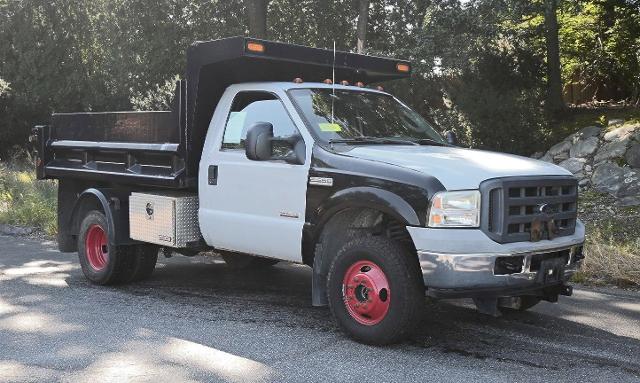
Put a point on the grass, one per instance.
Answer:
(25, 201)
(613, 242)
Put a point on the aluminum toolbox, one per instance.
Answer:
(164, 218)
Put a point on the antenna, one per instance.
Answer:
(333, 83)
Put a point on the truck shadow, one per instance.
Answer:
(551, 336)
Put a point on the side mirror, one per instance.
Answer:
(452, 138)
(260, 145)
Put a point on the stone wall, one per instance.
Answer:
(605, 159)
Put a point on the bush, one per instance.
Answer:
(26, 201)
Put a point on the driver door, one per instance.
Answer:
(254, 207)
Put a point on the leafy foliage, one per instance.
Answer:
(479, 65)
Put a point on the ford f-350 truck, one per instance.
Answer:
(278, 152)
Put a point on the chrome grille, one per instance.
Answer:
(514, 207)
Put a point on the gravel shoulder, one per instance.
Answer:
(196, 320)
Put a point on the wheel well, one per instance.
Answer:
(340, 229)
(86, 204)
(356, 220)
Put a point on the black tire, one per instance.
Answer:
(146, 257)
(406, 289)
(528, 301)
(120, 262)
(237, 261)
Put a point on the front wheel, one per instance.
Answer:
(375, 291)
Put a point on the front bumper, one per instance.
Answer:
(462, 262)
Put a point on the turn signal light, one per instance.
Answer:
(403, 67)
(255, 47)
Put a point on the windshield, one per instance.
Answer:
(347, 116)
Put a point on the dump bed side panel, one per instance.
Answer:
(142, 127)
(135, 148)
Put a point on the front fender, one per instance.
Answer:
(372, 198)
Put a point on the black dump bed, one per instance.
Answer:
(163, 148)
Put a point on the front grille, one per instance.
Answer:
(529, 208)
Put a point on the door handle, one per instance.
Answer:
(213, 174)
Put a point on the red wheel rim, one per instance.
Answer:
(366, 293)
(96, 247)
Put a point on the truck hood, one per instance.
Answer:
(457, 168)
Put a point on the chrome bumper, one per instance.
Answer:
(469, 272)
(462, 262)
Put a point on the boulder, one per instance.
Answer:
(615, 149)
(584, 133)
(546, 158)
(608, 178)
(537, 155)
(630, 186)
(561, 147)
(584, 148)
(615, 121)
(633, 156)
(574, 165)
(621, 133)
(560, 157)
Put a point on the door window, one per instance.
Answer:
(251, 107)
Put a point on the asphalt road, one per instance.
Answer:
(196, 320)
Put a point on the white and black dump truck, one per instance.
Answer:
(277, 152)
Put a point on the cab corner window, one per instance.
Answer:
(249, 108)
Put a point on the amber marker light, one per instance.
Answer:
(403, 67)
(255, 47)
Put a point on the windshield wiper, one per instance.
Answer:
(372, 140)
(429, 141)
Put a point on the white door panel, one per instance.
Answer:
(255, 207)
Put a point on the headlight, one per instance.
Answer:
(455, 209)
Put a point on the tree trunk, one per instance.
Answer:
(257, 12)
(363, 16)
(554, 102)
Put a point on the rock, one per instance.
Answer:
(560, 157)
(537, 155)
(584, 148)
(608, 178)
(630, 186)
(583, 182)
(546, 158)
(633, 156)
(574, 165)
(588, 168)
(629, 201)
(621, 133)
(615, 121)
(561, 147)
(15, 230)
(584, 133)
(615, 149)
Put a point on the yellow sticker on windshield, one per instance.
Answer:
(327, 127)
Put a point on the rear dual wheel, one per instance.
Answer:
(375, 290)
(104, 263)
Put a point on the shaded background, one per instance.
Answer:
(507, 75)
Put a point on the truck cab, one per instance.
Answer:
(276, 152)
